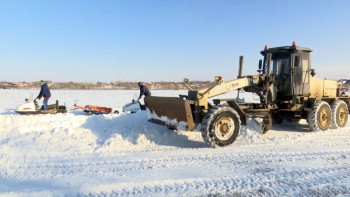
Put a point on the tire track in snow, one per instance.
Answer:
(329, 136)
(48, 169)
(291, 183)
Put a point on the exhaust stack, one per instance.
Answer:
(240, 66)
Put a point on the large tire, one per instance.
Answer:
(220, 126)
(320, 117)
(339, 114)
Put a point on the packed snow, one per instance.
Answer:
(76, 154)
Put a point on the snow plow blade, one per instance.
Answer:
(170, 111)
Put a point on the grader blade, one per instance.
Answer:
(170, 111)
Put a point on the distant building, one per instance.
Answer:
(22, 84)
(107, 86)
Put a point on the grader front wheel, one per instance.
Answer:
(220, 126)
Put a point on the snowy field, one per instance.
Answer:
(75, 154)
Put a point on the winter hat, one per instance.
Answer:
(139, 83)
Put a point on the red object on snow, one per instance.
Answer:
(93, 109)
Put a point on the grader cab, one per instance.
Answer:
(287, 88)
(298, 93)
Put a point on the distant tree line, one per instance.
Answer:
(119, 85)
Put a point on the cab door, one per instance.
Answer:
(301, 75)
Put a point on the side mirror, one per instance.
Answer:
(313, 72)
(260, 64)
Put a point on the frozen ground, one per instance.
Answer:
(124, 155)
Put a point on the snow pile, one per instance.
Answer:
(251, 133)
(46, 134)
(70, 134)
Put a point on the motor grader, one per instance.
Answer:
(287, 88)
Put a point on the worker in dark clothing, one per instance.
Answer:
(144, 91)
(44, 92)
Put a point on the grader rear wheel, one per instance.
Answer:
(339, 114)
(221, 126)
(320, 117)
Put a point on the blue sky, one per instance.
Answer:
(162, 40)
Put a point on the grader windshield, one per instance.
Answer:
(280, 70)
